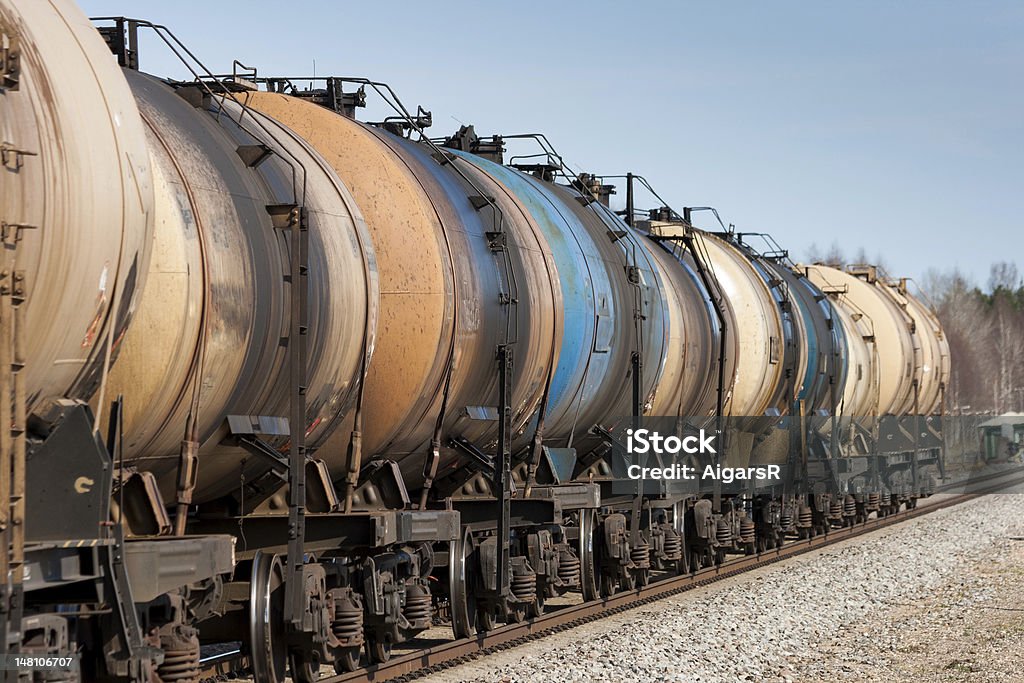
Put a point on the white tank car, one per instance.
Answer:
(884, 325)
(76, 195)
(756, 325)
(932, 370)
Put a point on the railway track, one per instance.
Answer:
(404, 667)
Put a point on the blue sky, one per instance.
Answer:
(896, 127)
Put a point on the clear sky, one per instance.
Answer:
(896, 127)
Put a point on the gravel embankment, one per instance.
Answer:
(970, 627)
(905, 603)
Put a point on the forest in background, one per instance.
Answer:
(984, 326)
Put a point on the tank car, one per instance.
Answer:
(901, 357)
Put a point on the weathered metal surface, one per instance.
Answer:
(688, 387)
(933, 367)
(819, 341)
(862, 373)
(417, 301)
(634, 319)
(501, 295)
(570, 496)
(758, 328)
(447, 298)
(158, 565)
(77, 188)
(585, 282)
(792, 352)
(351, 532)
(885, 326)
(209, 335)
(82, 484)
(536, 326)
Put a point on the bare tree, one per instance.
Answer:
(813, 254)
(834, 256)
(937, 285)
(1003, 275)
(985, 330)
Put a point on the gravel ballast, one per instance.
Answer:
(876, 608)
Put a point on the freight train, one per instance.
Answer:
(279, 376)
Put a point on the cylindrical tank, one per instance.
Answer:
(689, 385)
(818, 374)
(888, 327)
(528, 278)
(859, 390)
(794, 356)
(586, 280)
(932, 372)
(758, 328)
(438, 241)
(634, 319)
(599, 300)
(77, 194)
(210, 335)
(417, 308)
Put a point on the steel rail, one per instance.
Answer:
(406, 667)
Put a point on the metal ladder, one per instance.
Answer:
(12, 440)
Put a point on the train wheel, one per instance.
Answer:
(719, 556)
(588, 569)
(462, 600)
(377, 651)
(682, 565)
(266, 619)
(346, 659)
(536, 608)
(517, 614)
(303, 670)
